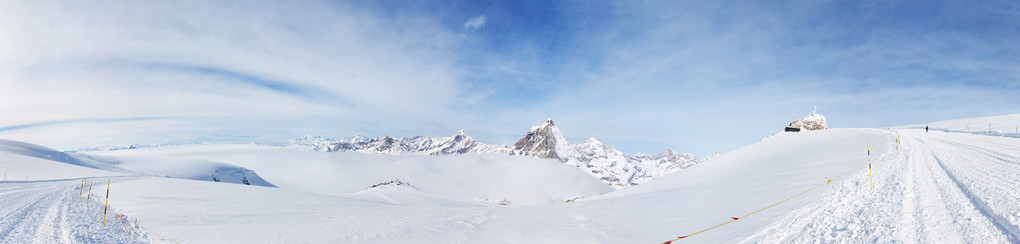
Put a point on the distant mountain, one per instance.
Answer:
(460, 143)
(544, 141)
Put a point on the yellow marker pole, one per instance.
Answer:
(107, 201)
(82, 188)
(869, 165)
(88, 195)
(897, 144)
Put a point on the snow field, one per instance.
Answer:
(1002, 125)
(472, 177)
(940, 188)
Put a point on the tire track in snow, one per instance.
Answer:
(987, 183)
(12, 223)
(918, 198)
(981, 206)
(49, 212)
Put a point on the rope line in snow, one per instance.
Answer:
(157, 234)
(733, 219)
(86, 182)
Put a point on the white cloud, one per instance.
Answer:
(236, 67)
(479, 96)
(475, 23)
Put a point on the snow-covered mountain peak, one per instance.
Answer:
(541, 141)
(668, 152)
(359, 138)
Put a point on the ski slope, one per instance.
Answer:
(937, 187)
(55, 211)
(942, 188)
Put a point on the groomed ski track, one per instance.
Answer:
(51, 212)
(942, 188)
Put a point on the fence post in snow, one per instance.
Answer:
(105, 204)
(897, 144)
(88, 195)
(868, 146)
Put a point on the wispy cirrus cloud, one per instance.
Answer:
(222, 63)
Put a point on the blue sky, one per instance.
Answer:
(642, 76)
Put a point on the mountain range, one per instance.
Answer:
(544, 141)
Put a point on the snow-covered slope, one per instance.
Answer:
(21, 161)
(40, 152)
(188, 168)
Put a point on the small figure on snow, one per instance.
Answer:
(925, 129)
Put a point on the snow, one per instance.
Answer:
(522, 180)
(187, 168)
(29, 162)
(1003, 125)
(937, 187)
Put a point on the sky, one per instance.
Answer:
(641, 76)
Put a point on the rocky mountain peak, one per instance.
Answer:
(540, 141)
(813, 121)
